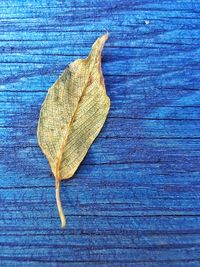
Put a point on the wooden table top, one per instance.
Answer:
(134, 201)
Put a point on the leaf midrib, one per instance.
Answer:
(60, 155)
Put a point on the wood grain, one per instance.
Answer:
(135, 199)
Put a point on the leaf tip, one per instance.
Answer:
(99, 43)
(104, 37)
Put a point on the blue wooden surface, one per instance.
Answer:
(135, 200)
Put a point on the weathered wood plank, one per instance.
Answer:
(135, 199)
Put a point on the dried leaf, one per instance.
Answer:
(72, 116)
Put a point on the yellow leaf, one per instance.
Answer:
(72, 116)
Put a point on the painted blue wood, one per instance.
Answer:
(135, 200)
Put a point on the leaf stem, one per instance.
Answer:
(59, 205)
